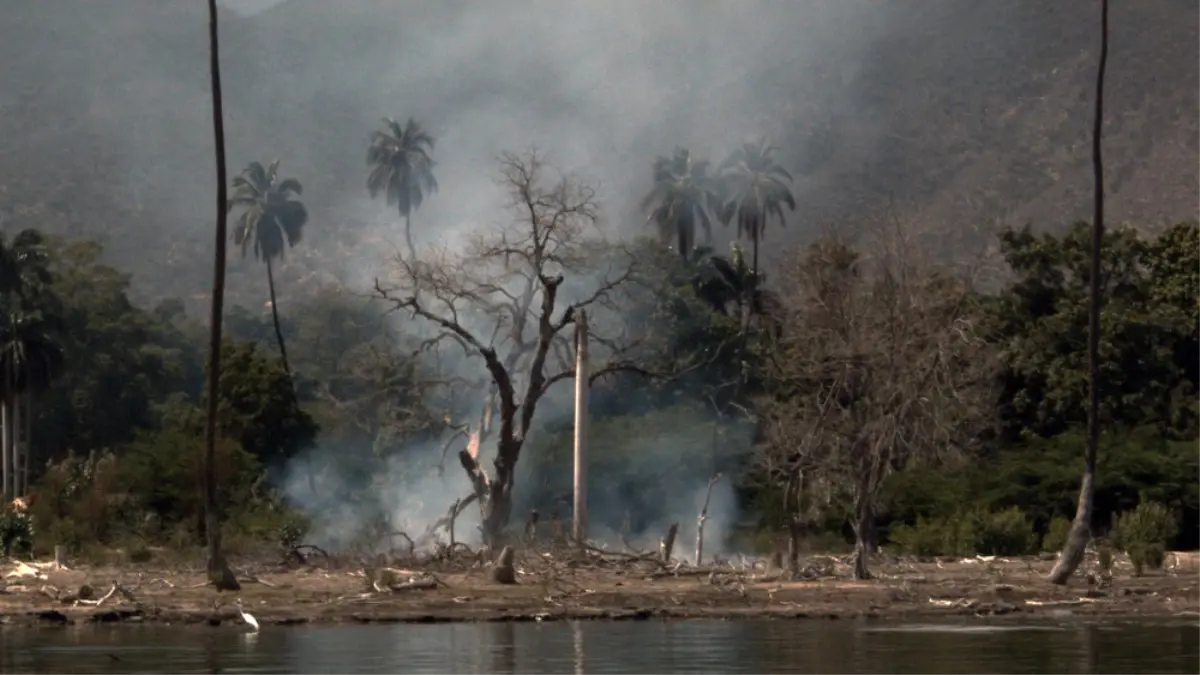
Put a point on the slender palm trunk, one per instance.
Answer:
(1073, 550)
(754, 254)
(275, 318)
(20, 456)
(218, 572)
(28, 418)
(412, 250)
(6, 451)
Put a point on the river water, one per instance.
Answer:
(746, 646)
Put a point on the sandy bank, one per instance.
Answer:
(555, 589)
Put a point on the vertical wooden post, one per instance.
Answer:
(579, 529)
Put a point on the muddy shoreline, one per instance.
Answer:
(433, 593)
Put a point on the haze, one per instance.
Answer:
(918, 104)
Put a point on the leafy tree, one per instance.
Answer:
(723, 282)
(120, 361)
(258, 408)
(1148, 324)
(756, 188)
(684, 197)
(272, 221)
(401, 166)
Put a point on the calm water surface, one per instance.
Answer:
(612, 647)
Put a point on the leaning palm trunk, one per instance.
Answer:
(275, 318)
(1073, 550)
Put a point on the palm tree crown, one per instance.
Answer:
(272, 220)
(757, 188)
(683, 198)
(401, 166)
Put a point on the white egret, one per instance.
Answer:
(246, 616)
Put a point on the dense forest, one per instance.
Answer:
(886, 380)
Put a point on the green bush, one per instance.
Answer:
(16, 531)
(923, 539)
(1143, 533)
(1006, 532)
(1056, 534)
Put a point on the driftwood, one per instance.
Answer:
(667, 545)
(385, 580)
(297, 553)
(703, 517)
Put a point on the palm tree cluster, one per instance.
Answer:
(749, 187)
(31, 352)
(400, 166)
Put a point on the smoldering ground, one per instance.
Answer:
(654, 474)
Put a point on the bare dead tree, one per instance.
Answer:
(881, 364)
(507, 300)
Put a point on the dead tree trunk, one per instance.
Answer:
(700, 519)
(579, 529)
(864, 526)
(667, 545)
(795, 532)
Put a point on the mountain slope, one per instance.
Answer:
(953, 113)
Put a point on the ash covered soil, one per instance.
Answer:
(573, 584)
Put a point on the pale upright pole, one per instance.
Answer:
(579, 529)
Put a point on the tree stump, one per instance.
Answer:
(667, 544)
(221, 577)
(502, 570)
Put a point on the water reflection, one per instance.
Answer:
(619, 647)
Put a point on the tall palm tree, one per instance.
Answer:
(401, 166)
(757, 187)
(31, 357)
(271, 221)
(684, 198)
(1073, 550)
(31, 353)
(219, 573)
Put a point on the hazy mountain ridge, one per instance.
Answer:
(957, 112)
